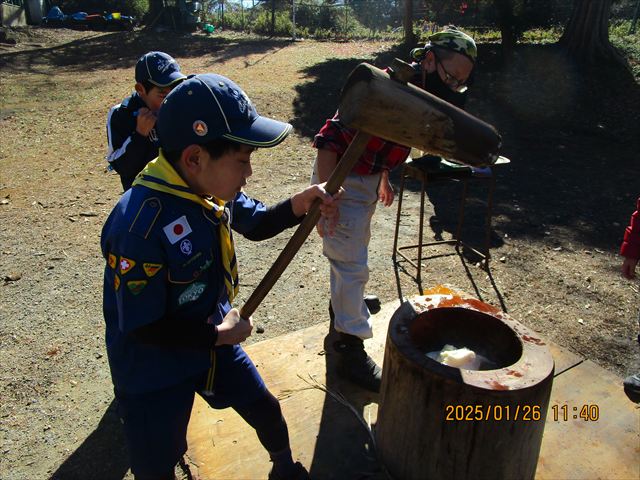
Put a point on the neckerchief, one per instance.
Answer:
(159, 175)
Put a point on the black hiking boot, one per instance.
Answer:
(355, 365)
(373, 303)
(632, 387)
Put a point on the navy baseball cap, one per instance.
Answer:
(209, 106)
(158, 68)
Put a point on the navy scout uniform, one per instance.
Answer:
(165, 263)
(128, 151)
(170, 278)
(170, 261)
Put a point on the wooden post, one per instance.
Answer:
(440, 422)
(407, 23)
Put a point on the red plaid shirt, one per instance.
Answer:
(378, 155)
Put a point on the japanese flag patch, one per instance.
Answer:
(177, 229)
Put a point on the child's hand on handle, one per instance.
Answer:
(234, 329)
(145, 121)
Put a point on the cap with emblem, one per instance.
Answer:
(209, 106)
(159, 69)
(450, 39)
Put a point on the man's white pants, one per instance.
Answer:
(347, 252)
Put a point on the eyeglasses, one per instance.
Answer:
(452, 82)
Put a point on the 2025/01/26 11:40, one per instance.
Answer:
(586, 412)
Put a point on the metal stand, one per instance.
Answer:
(426, 174)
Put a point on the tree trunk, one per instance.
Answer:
(632, 28)
(407, 23)
(155, 11)
(586, 36)
(507, 26)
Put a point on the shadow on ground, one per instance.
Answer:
(103, 454)
(570, 131)
(122, 49)
(343, 449)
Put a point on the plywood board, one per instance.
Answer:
(328, 438)
(576, 448)
(563, 358)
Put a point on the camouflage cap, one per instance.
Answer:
(450, 39)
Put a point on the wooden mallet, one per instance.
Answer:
(377, 104)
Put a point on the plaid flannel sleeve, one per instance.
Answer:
(333, 136)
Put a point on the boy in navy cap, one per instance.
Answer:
(131, 135)
(171, 277)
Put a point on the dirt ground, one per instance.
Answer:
(560, 209)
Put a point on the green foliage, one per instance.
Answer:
(256, 19)
(282, 27)
(627, 43)
(234, 19)
(534, 22)
(314, 19)
(542, 35)
(316, 16)
(377, 14)
(136, 8)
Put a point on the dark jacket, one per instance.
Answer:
(129, 151)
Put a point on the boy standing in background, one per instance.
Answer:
(131, 124)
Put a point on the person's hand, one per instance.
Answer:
(145, 121)
(629, 267)
(385, 190)
(326, 226)
(301, 203)
(234, 329)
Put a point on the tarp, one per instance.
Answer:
(55, 14)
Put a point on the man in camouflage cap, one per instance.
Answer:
(451, 39)
(444, 65)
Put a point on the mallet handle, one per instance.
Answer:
(345, 165)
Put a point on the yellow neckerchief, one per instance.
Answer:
(159, 175)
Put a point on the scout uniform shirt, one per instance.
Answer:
(164, 261)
